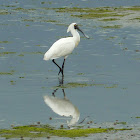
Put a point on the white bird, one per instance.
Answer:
(64, 46)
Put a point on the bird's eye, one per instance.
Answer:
(75, 26)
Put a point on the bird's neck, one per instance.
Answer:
(76, 37)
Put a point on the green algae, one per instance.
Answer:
(102, 13)
(74, 85)
(90, 13)
(4, 41)
(4, 12)
(77, 84)
(24, 10)
(123, 123)
(80, 74)
(109, 19)
(39, 19)
(6, 53)
(133, 8)
(8, 5)
(36, 131)
(137, 18)
(84, 84)
(112, 27)
(97, 15)
(81, 10)
(6, 73)
(111, 37)
(35, 52)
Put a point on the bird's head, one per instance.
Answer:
(74, 26)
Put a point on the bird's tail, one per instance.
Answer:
(45, 58)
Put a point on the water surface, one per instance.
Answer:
(105, 67)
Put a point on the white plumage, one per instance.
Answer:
(64, 46)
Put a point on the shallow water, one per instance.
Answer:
(107, 65)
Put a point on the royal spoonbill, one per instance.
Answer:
(64, 46)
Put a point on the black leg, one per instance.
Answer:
(60, 70)
(63, 66)
(54, 92)
(61, 81)
(64, 93)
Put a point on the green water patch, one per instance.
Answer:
(4, 42)
(122, 123)
(97, 15)
(8, 5)
(111, 37)
(133, 8)
(24, 10)
(109, 19)
(137, 117)
(77, 85)
(34, 52)
(112, 27)
(7, 73)
(101, 13)
(91, 13)
(37, 131)
(39, 19)
(112, 86)
(6, 53)
(4, 12)
(137, 18)
(83, 10)
(30, 53)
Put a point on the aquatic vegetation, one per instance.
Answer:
(70, 85)
(36, 131)
(24, 10)
(137, 18)
(8, 5)
(4, 41)
(6, 73)
(97, 15)
(91, 13)
(6, 53)
(133, 8)
(76, 85)
(117, 122)
(4, 12)
(105, 14)
(21, 54)
(113, 27)
(13, 82)
(113, 86)
(80, 73)
(109, 19)
(137, 117)
(111, 37)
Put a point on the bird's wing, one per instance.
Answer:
(62, 47)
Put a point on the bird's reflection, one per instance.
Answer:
(63, 106)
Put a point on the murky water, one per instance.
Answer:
(101, 79)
